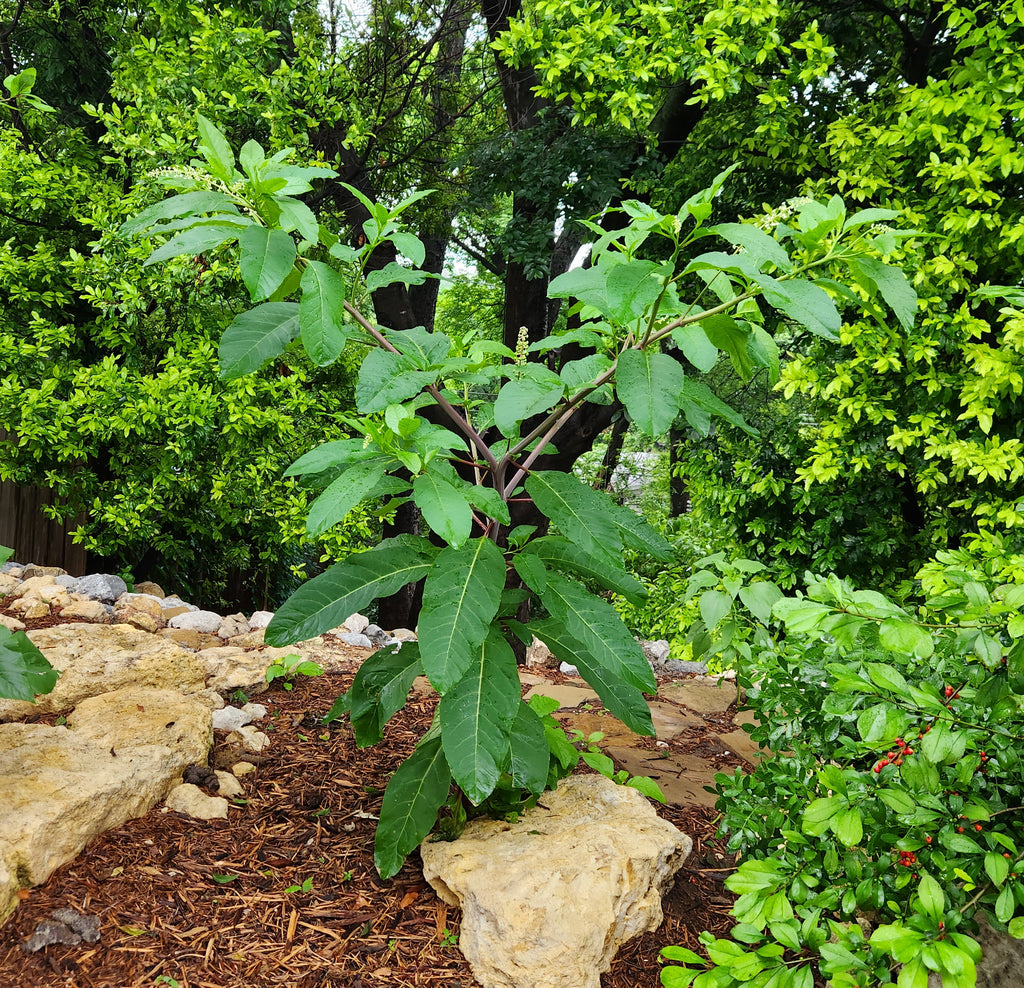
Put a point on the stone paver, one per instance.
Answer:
(682, 778)
(567, 696)
(703, 694)
(669, 720)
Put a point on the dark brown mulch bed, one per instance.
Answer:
(207, 905)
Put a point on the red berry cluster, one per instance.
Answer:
(908, 859)
(895, 757)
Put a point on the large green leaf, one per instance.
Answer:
(696, 346)
(186, 204)
(445, 507)
(256, 336)
(757, 244)
(518, 400)
(632, 287)
(424, 348)
(565, 555)
(353, 486)
(202, 237)
(216, 150)
(805, 303)
(583, 515)
(326, 456)
(393, 273)
(643, 536)
(460, 599)
(266, 258)
(648, 384)
(380, 689)
(622, 699)
(24, 671)
(528, 754)
(326, 600)
(898, 293)
(411, 801)
(321, 311)
(388, 378)
(599, 630)
(476, 717)
(699, 403)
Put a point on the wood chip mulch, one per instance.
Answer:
(285, 893)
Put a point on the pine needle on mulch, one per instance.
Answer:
(284, 892)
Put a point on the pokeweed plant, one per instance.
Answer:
(433, 435)
(892, 817)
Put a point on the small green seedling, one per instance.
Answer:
(166, 979)
(223, 879)
(449, 939)
(306, 886)
(288, 666)
(600, 762)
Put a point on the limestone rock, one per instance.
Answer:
(538, 654)
(11, 623)
(195, 640)
(61, 790)
(249, 738)
(147, 587)
(98, 658)
(8, 583)
(404, 635)
(205, 621)
(230, 719)
(547, 900)
(85, 610)
(140, 620)
(144, 602)
(34, 609)
(101, 586)
(34, 583)
(356, 640)
(260, 619)
(233, 625)
(229, 785)
(192, 801)
(176, 601)
(133, 716)
(229, 667)
(356, 624)
(33, 570)
(242, 768)
(173, 612)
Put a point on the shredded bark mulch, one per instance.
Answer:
(284, 892)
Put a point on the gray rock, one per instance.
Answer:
(260, 619)
(15, 569)
(67, 581)
(176, 601)
(233, 625)
(230, 719)
(203, 621)
(568, 670)
(677, 667)
(656, 652)
(256, 711)
(359, 641)
(101, 586)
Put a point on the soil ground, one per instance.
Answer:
(285, 893)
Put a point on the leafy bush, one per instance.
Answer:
(892, 816)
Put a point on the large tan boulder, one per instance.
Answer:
(134, 716)
(60, 789)
(98, 658)
(547, 901)
(230, 667)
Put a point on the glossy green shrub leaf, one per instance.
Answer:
(413, 796)
(899, 635)
(460, 599)
(321, 313)
(759, 598)
(216, 150)
(476, 717)
(819, 813)
(256, 336)
(327, 600)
